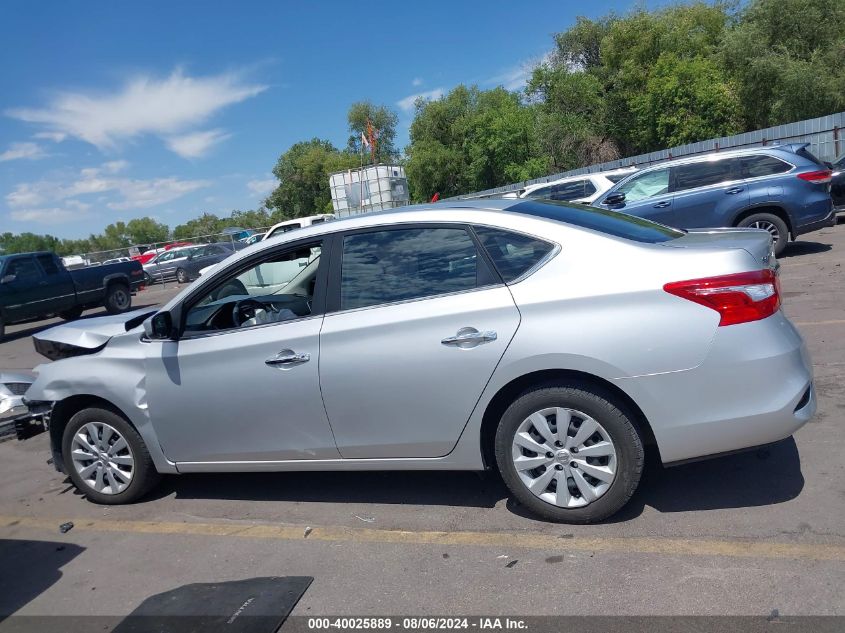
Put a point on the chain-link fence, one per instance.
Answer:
(148, 254)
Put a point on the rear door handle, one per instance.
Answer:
(287, 358)
(733, 190)
(662, 205)
(468, 337)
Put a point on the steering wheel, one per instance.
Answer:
(240, 312)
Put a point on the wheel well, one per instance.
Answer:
(511, 391)
(65, 409)
(113, 282)
(783, 215)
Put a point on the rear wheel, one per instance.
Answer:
(70, 315)
(773, 224)
(106, 458)
(118, 298)
(181, 276)
(569, 453)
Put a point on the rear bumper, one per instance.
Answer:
(827, 221)
(755, 387)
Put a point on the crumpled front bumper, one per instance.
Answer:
(17, 418)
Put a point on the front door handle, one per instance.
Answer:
(733, 190)
(287, 358)
(663, 205)
(468, 337)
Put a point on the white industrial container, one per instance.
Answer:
(372, 188)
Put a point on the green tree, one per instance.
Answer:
(788, 60)
(471, 139)
(206, 224)
(384, 121)
(303, 172)
(146, 230)
(27, 242)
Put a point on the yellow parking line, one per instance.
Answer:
(833, 322)
(502, 540)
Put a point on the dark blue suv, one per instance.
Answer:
(783, 189)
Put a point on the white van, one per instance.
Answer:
(298, 223)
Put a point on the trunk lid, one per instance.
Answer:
(756, 242)
(86, 336)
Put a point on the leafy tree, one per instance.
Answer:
(471, 139)
(788, 60)
(206, 224)
(384, 121)
(146, 231)
(303, 172)
(26, 242)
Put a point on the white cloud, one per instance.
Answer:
(120, 192)
(56, 137)
(17, 151)
(516, 77)
(407, 104)
(52, 215)
(195, 144)
(262, 188)
(417, 82)
(145, 105)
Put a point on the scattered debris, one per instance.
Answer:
(554, 559)
(307, 532)
(366, 519)
(445, 555)
(66, 527)
(774, 615)
(567, 536)
(512, 563)
(503, 556)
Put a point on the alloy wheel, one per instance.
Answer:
(564, 457)
(766, 226)
(102, 458)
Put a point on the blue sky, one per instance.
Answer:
(115, 110)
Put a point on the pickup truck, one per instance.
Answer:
(37, 285)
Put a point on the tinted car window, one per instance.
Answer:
(568, 190)
(543, 193)
(388, 266)
(48, 264)
(756, 166)
(601, 220)
(513, 254)
(703, 174)
(23, 268)
(617, 177)
(647, 185)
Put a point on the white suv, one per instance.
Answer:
(585, 188)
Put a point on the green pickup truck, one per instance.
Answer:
(37, 285)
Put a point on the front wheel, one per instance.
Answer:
(569, 453)
(118, 298)
(773, 224)
(181, 276)
(106, 458)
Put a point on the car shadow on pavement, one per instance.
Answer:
(39, 325)
(32, 567)
(760, 477)
(458, 488)
(794, 249)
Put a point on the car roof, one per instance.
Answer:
(722, 154)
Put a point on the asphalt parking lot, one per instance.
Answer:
(742, 535)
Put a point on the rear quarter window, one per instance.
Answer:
(513, 254)
(604, 221)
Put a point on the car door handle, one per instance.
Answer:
(287, 358)
(469, 337)
(663, 205)
(733, 190)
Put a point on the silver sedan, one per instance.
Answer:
(550, 342)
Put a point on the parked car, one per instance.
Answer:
(37, 285)
(783, 189)
(548, 341)
(167, 264)
(252, 239)
(115, 260)
(584, 188)
(298, 223)
(202, 257)
(837, 184)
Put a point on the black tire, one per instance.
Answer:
(148, 281)
(144, 477)
(118, 298)
(70, 315)
(2, 328)
(181, 276)
(773, 224)
(603, 408)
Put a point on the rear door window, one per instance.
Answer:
(398, 265)
(757, 166)
(513, 254)
(703, 174)
(48, 264)
(568, 190)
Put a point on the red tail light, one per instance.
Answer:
(738, 298)
(817, 177)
